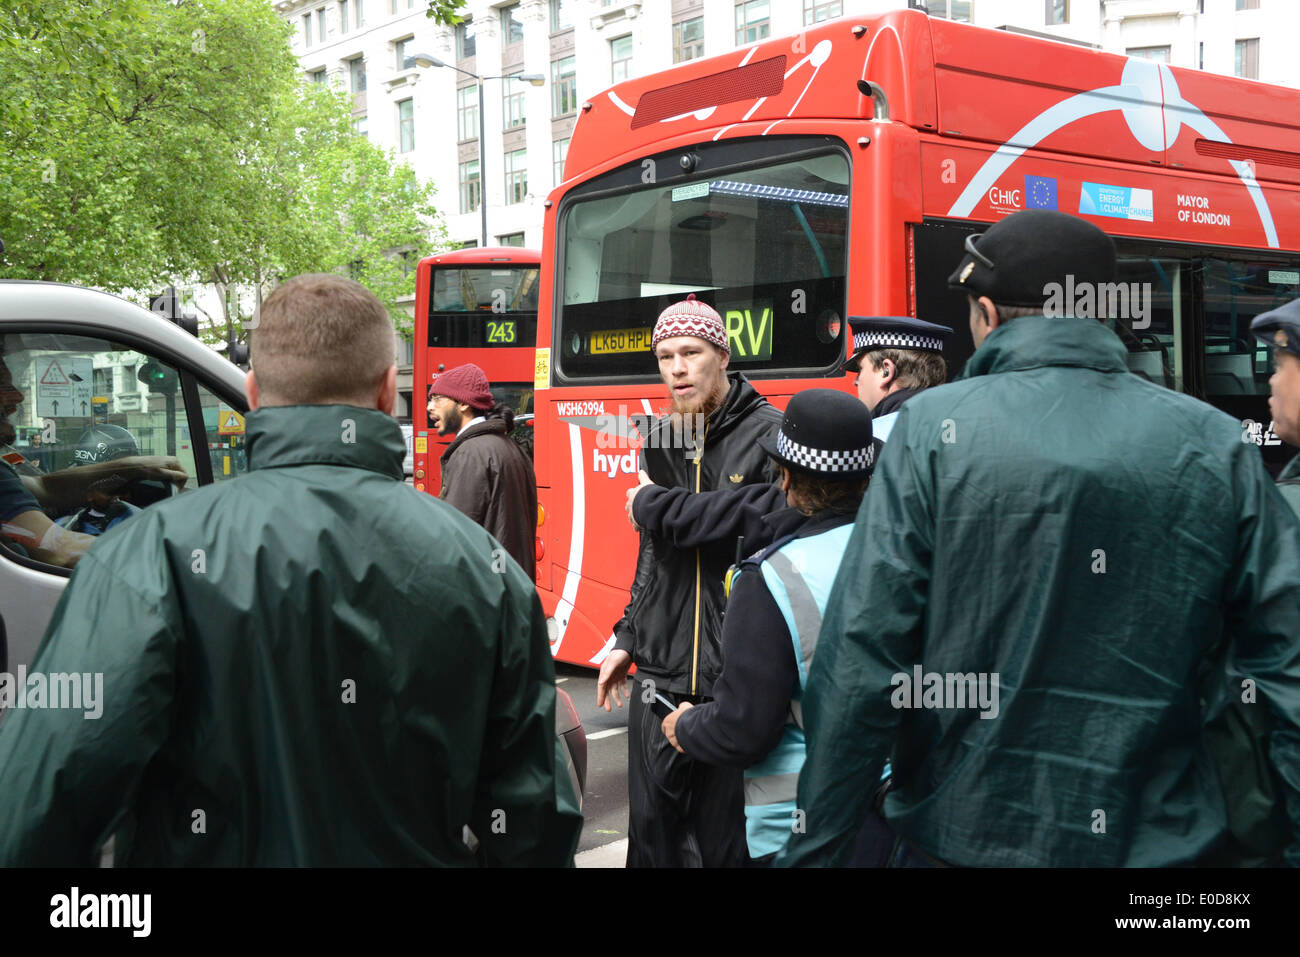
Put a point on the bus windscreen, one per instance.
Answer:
(483, 306)
(765, 245)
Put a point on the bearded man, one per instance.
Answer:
(683, 813)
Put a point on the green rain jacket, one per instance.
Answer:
(1086, 538)
(1288, 483)
(314, 664)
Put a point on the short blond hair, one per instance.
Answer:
(321, 339)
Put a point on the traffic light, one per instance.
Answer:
(159, 378)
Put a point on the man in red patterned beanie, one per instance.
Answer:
(681, 812)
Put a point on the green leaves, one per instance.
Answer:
(144, 142)
(445, 12)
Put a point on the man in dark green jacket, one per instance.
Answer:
(1050, 548)
(1280, 328)
(310, 665)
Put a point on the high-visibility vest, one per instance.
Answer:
(799, 576)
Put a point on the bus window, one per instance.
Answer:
(1235, 292)
(1147, 306)
(482, 307)
(766, 245)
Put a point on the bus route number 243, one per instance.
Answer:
(501, 331)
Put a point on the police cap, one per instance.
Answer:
(893, 332)
(1280, 327)
(1015, 260)
(827, 433)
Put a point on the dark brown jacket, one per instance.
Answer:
(489, 478)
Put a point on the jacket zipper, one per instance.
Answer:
(695, 651)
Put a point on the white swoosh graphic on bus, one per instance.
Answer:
(608, 646)
(1141, 82)
(573, 572)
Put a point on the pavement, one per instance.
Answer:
(607, 855)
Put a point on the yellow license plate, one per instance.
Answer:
(615, 341)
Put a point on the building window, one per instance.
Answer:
(306, 29)
(559, 150)
(512, 104)
(560, 16)
(959, 10)
(1247, 4)
(816, 12)
(752, 23)
(564, 86)
(399, 51)
(357, 74)
(620, 58)
(465, 40)
(511, 239)
(359, 6)
(406, 126)
(467, 113)
(470, 192)
(361, 125)
(688, 39)
(320, 24)
(1149, 53)
(1057, 11)
(512, 28)
(343, 16)
(516, 176)
(317, 76)
(1247, 59)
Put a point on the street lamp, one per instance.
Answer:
(536, 79)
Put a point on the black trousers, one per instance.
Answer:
(681, 813)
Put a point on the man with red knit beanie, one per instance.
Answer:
(484, 473)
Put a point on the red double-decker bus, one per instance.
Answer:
(802, 180)
(473, 305)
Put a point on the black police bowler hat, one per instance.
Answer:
(826, 433)
(1280, 327)
(892, 332)
(1017, 258)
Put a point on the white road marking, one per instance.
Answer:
(606, 734)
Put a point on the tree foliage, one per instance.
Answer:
(152, 141)
(446, 12)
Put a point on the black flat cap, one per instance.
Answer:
(1016, 259)
(827, 433)
(1280, 327)
(893, 332)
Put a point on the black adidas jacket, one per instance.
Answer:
(672, 626)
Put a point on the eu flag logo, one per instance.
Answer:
(1040, 192)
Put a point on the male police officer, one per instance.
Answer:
(1053, 548)
(903, 356)
(1281, 330)
(682, 812)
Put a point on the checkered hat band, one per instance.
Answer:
(897, 340)
(825, 460)
(702, 327)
